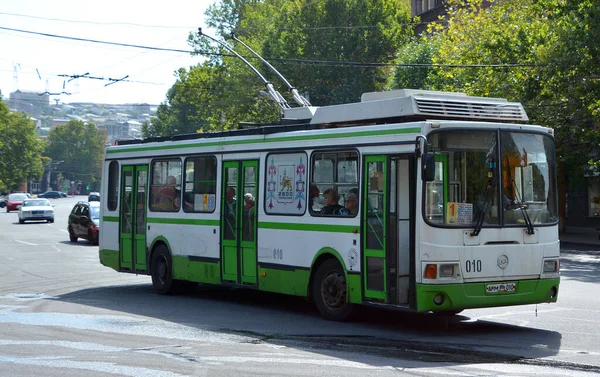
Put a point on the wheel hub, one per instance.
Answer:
(333, 289)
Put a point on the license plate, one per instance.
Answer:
(501, 288)
(38, 215)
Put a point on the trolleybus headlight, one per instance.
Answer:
(430, 271)
(447, 270)
(438, 299)
(551, 265)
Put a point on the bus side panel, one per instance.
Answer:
(194, 248)
(286, 281)
(295, 250)
(184, 268)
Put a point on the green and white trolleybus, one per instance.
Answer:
(456, 206)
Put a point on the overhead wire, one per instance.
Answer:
(303, 61)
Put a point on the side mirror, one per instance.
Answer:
(428, 167)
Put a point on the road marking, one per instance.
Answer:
(56, 248)
(64, 230)
(27, 243)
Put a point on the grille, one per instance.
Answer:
(466, 109)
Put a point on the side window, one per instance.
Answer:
(113, 184)
(334, 184)
(286, 189)
(165, 186)
(200, 184)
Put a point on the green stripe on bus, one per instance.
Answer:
(309, 227)
(273, 140)
(163, 220)
(111, 219)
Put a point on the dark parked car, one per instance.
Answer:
(50, 195)
(84, 222)
(63, 194)
(94, 197)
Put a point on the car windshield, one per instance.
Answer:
(36, 203)
(17, 197)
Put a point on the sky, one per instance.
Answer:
(31, 62)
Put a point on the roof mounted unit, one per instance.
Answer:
(421, 104)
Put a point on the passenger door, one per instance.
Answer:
(132, 241)
(239, 222)
(375, 221)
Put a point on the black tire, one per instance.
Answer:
(161, 271)
(51, 220)
(72, 237)
(21, 221)
(91, 238)
(330, 293)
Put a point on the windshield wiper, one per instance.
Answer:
(481, 214)
(522, 206)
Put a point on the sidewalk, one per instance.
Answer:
(582, 236)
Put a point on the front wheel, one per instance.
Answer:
(21, 221)
(330, 292)
(161, 271)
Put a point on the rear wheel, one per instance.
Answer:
(91, 237)
(161, 271)
(21, 221)
(330, 293)
(72, 236)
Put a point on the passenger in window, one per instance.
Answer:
(230, 214)
(248, 202)
(350, 205)
(176, 200)
(314, 193)
(230, 201)
(168, 194)
(331, 199)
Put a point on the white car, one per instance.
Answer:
(36, 209)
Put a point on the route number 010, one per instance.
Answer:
(473, 265)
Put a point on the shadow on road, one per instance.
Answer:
(294, 322)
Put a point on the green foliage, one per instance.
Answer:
(79, 147)
(414, 69)
(20, 150)
(223, 90)
(348, 34)
(542, 53)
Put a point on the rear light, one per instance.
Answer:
(551, 265)
(430, 271)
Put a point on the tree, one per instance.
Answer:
(327, 47)
(20, 150)
(324, 48)
(80, 147)
(542, 53)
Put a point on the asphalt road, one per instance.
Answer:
(64, 314)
